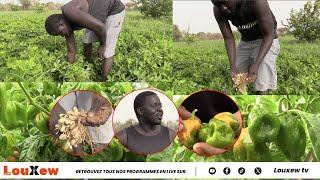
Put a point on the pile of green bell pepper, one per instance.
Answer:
(286, 131)
(219, 132)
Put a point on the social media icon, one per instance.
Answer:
(257, 170)
(226, 170)
(241, 170)
(212, 170)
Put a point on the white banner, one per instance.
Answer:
(127, 170)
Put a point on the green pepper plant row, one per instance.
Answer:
(204, 65)
(29, 53)
(276, 128)
(24, 109)
(287, 131)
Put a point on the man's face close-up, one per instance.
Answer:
(152, 110)
(64, 29)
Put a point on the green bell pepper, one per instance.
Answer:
(217, 133)
(189, 135)
(15, 115)
(245, 150)
(292, 137)
(42, 122)
(231, 119)
(51, 88)
(264, 127)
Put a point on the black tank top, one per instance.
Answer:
(245, 20)
(147, 144)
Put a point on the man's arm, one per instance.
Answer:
(74, 14)
(228, 38)
(71, 47)
(266, 25)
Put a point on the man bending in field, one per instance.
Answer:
(259, 46)
(103, 21)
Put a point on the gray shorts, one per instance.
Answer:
(247, 53)
(113, 27)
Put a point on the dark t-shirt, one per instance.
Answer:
(244, 19)
(143, 144)
(101, 9)
(74, 26)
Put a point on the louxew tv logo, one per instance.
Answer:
(31, 170)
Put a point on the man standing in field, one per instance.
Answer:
(259, 47)
(103, 21)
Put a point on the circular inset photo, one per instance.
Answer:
(81, 122)
(146, 121)
(211, 122)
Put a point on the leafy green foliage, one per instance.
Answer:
(305, 23)
(39, 7)
(313, 123)
(205, 65)
(25, 4)
(34, 145)
(28, 53)
(189, 38)
(155, 8)
(14, 7)
(7, 142)
(109, 154)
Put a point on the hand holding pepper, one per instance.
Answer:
(203, 148)
(185, 114)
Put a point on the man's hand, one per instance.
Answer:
(70, 57)
(185, 114)
(234, 72)
(253, 72)
(204, 149)
(97, 118)
(102, 47)
(101, 51)
(92, 121)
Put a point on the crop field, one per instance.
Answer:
(28, 53)
(204, 65)
(26, 138)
